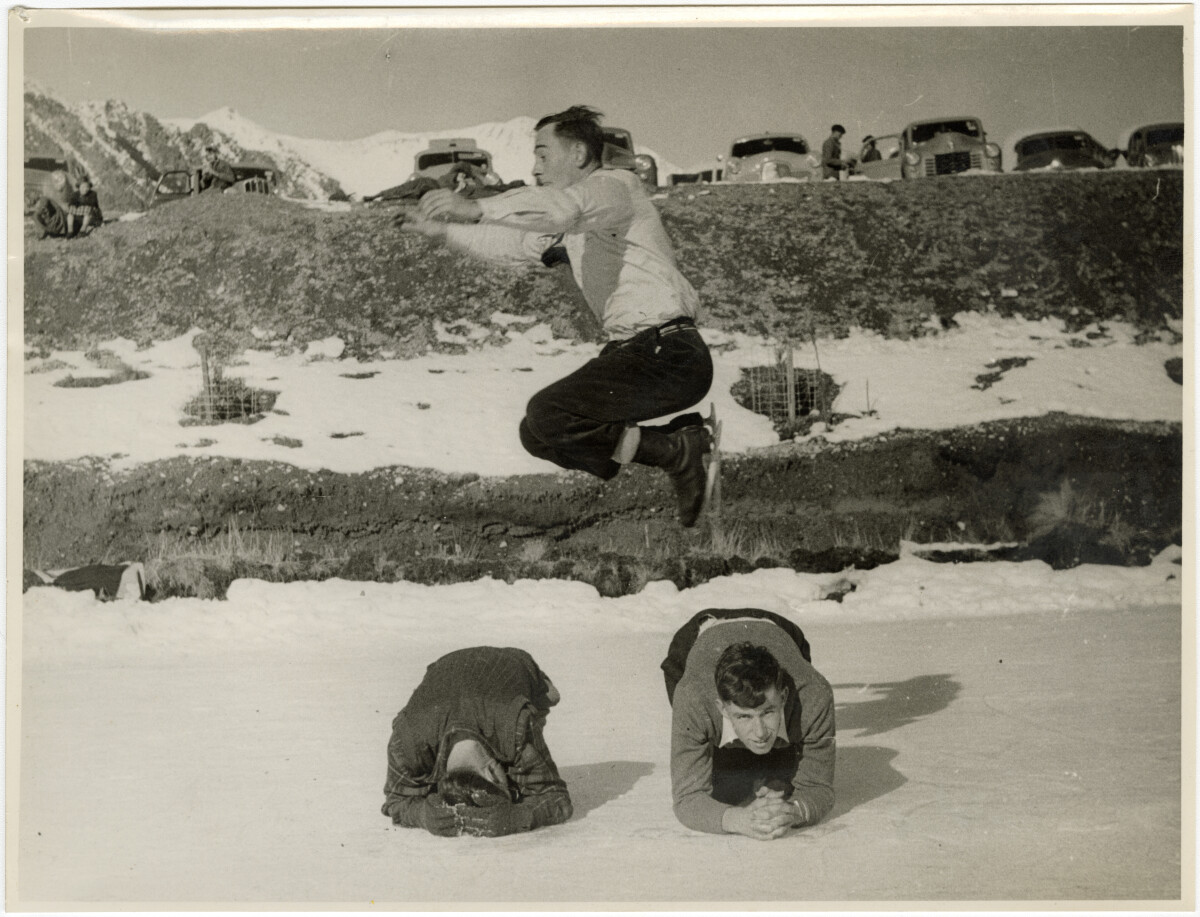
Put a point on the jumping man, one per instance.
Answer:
(655, 362)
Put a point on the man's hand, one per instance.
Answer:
(438, 818)
(767, 817)
(494, 821)
(446, 206)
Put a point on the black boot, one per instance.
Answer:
(680, 454)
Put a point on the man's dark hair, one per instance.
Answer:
(837, 128)
(581, 123)
(744, 674)
(472, 788)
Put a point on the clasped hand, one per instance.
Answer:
(767, 817)
(454, 821)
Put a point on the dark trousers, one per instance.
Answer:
(685, 639)
(576, 422)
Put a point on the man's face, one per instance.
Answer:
(758, 726)
(555, 159)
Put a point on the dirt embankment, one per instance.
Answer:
(1061, 489)
(784, 260)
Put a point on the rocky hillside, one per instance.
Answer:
(125, 151)
(784, 260)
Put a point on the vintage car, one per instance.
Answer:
(1061, 150)
(444, 154)
(620, 154)
(769, 157)
(180, 183)
(943, 146)
(1156, 145)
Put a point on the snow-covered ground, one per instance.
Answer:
(1006, 732)
(460, 413)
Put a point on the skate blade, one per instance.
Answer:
(712, 466)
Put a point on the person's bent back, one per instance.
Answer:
(467, 754)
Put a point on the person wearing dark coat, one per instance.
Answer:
(216, 174)
(83, 210)
(832, 163)
(467, 756)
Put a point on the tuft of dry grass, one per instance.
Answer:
(179, 564)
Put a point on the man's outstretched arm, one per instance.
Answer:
(501, 245)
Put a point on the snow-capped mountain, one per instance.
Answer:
(125, 151)
(370, 164)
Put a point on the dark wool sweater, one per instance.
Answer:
(498, 696)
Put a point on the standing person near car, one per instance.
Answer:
(655, 362)
(752, 725)
(832, 163)
(467, 755)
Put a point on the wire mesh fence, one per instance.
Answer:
(792, 397)
(224, 399)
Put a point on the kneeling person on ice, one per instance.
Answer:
(752, 725)
(467, 755)
(655, 362)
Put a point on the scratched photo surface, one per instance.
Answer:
(285, 287)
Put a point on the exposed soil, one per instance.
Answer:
(1062, 489)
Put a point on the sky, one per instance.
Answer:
(685, 92)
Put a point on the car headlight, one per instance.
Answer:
(734, 165)
(993, 151)
(913, 158)
(644, 162)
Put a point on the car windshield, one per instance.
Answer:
(448, 157)
(45, 164)
(174, 183)
(241, 173)
(1164, 135)
(923, 132)
(1057, 142)
(619, 138)
(759, 145)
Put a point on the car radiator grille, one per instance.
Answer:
(949, 163)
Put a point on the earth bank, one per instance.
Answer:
(1062, 489)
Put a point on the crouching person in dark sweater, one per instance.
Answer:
(752, 725)
(467, 754)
